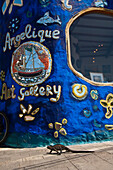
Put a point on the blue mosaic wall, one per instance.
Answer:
(41, 108)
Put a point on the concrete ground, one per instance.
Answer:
(39, 159)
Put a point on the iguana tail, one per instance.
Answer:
(69, 150)
(82, 151)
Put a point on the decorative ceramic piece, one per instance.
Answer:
(63, 131)
(50, 125)
(87, 113)
(46, 19)
(101, 3)
(14, 25)
(29, 14)
(108, 103)
(79, 91)
(44, 3)
(95, 108)
(15, 3)
(66, 5)
(64, 121)
(58, 126)
(56, 134)
(27, 114)
(98, 125)
(5, 6)
(29, 118)
(94, 94)
(2, 75)
(109, 127)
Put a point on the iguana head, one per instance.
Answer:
(49, 147)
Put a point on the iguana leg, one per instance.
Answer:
(51, 151)
(56, 151)
(60, 151)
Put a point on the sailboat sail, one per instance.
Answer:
(28, 60)
(31, 63)
(37, 62)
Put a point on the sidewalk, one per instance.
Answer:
(39, 159)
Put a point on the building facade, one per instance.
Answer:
(56, 71)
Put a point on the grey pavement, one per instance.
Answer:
(39, 158)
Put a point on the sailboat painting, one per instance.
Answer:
(31, 64)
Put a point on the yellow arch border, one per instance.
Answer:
(81, 13)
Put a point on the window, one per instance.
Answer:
(89, 38)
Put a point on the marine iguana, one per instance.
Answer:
(60, 147)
